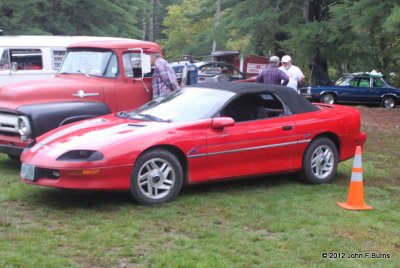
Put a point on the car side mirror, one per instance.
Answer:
(222, 122)
(146, 63)
(14, 66)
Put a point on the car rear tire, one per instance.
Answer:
(320, 161)
(157, 177)
(389, 102)
(328, 98)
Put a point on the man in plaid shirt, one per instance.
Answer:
(164, 77)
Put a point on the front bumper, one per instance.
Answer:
(11, 150)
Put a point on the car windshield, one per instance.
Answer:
(343, 81)
(90, 63)
(187, 104)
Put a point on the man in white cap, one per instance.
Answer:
(294, 73)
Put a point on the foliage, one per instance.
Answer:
(72, 17)
(181, 30)
(349, 36)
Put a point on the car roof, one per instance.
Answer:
(363, 74)
(291, 98)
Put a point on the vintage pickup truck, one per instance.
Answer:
(95, 78)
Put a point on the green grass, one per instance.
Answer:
(266, 222)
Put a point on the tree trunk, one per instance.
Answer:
(312, 12)
(216, 21)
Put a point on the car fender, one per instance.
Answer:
(47, 116)
(328, 91)
(390, 95)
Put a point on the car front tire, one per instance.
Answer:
(320, 161)
(157, 177)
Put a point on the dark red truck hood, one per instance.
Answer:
(58, 89)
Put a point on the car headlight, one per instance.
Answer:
(24, 128)
(81, 156)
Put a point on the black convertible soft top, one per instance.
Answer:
(296, 103)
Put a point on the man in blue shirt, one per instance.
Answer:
(272, 75)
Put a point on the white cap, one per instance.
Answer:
(286, 58)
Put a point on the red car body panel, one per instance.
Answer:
(269, 146)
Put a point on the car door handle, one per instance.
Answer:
(286, 128)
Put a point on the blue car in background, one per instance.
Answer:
(358, 88)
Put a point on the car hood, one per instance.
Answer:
(97, 133)
(55, 89)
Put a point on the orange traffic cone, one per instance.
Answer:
(355, 198)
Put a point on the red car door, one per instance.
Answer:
(250, 148)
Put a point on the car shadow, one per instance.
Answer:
(110, 200)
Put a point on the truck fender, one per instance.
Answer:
(44, 117)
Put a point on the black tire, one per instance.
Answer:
(156, 178)
(14, 157)
(320, 161)
(328, 98)
(389, 103)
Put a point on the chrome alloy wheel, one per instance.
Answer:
(328, 99)
(322, 162)
(156, 178)
(389, 103)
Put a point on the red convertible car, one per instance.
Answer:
(202, 133)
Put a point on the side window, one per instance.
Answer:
(354, 82)
(5, 60)
(27, 59)
(255, 106)
(364, 82)
(132, 64)
(378, 82)
(57, 58)
(112, 68)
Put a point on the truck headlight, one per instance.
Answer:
(24, 128)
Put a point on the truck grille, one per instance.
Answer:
(9, 124)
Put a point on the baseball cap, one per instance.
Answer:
(286, 58)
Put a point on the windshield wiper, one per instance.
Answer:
(152, 118)
(80, 72)
(124, 114)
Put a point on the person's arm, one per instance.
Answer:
(284, 78)
(301, 76)
(259, 77)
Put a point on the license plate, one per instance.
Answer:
(28, 172)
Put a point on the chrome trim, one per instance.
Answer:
(249, 148)
(9, 123)
(81, 94)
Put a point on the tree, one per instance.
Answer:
(182, 31)
(72, 17)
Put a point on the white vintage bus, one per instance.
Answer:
(32, 57)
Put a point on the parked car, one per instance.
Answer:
(95, 78)
(363, 88)
(33, 57)
(185, 71)
(217, 71)
(200, 133)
